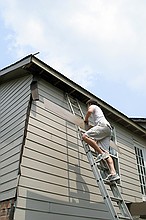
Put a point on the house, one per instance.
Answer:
(140, 121)
(44, 172)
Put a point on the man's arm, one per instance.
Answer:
(90, 110)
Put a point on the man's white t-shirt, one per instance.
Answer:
(98, 116)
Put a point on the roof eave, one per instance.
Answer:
(15, 70)
(16, 65)
(32, 65)
(137, 129)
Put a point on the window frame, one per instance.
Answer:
(140, 156)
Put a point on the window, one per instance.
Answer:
(141, 169)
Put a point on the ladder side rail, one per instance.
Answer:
(70, 105)
(123, 207)
(101, 185)
(83, 116)
(99, 180)
(108, 201)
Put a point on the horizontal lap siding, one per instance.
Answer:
(53, 94)
(128, 168)
(55, 173)
(15, 96)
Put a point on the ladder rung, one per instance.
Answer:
(101, 167)
(116, 199)
(78, 114)
(110, 183)
(75, 106)
(72, 100)
(124, 217)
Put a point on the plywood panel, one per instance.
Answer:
(63, 113)
(33, 215)
(38, 108)
(80, 212)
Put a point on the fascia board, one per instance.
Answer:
(16, 65)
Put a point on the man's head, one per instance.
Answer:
(91, 102)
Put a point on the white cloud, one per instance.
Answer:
(85, 38)
(138, 82)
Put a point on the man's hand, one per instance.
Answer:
(86, 122)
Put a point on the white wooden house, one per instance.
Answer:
(44, 172)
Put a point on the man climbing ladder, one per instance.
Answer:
(120, 211)
(98, 137)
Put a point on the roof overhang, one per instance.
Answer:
(139, 120)
(15, 70)
(32, 65)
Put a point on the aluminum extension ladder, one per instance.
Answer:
(120, 210)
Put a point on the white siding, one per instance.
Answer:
(56, 179)
(128, 168)
(14, 97)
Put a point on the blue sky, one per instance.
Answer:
(99, 44)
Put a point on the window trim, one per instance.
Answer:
(141, 167)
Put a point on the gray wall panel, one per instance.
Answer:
(50, 210)
(14, 98)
